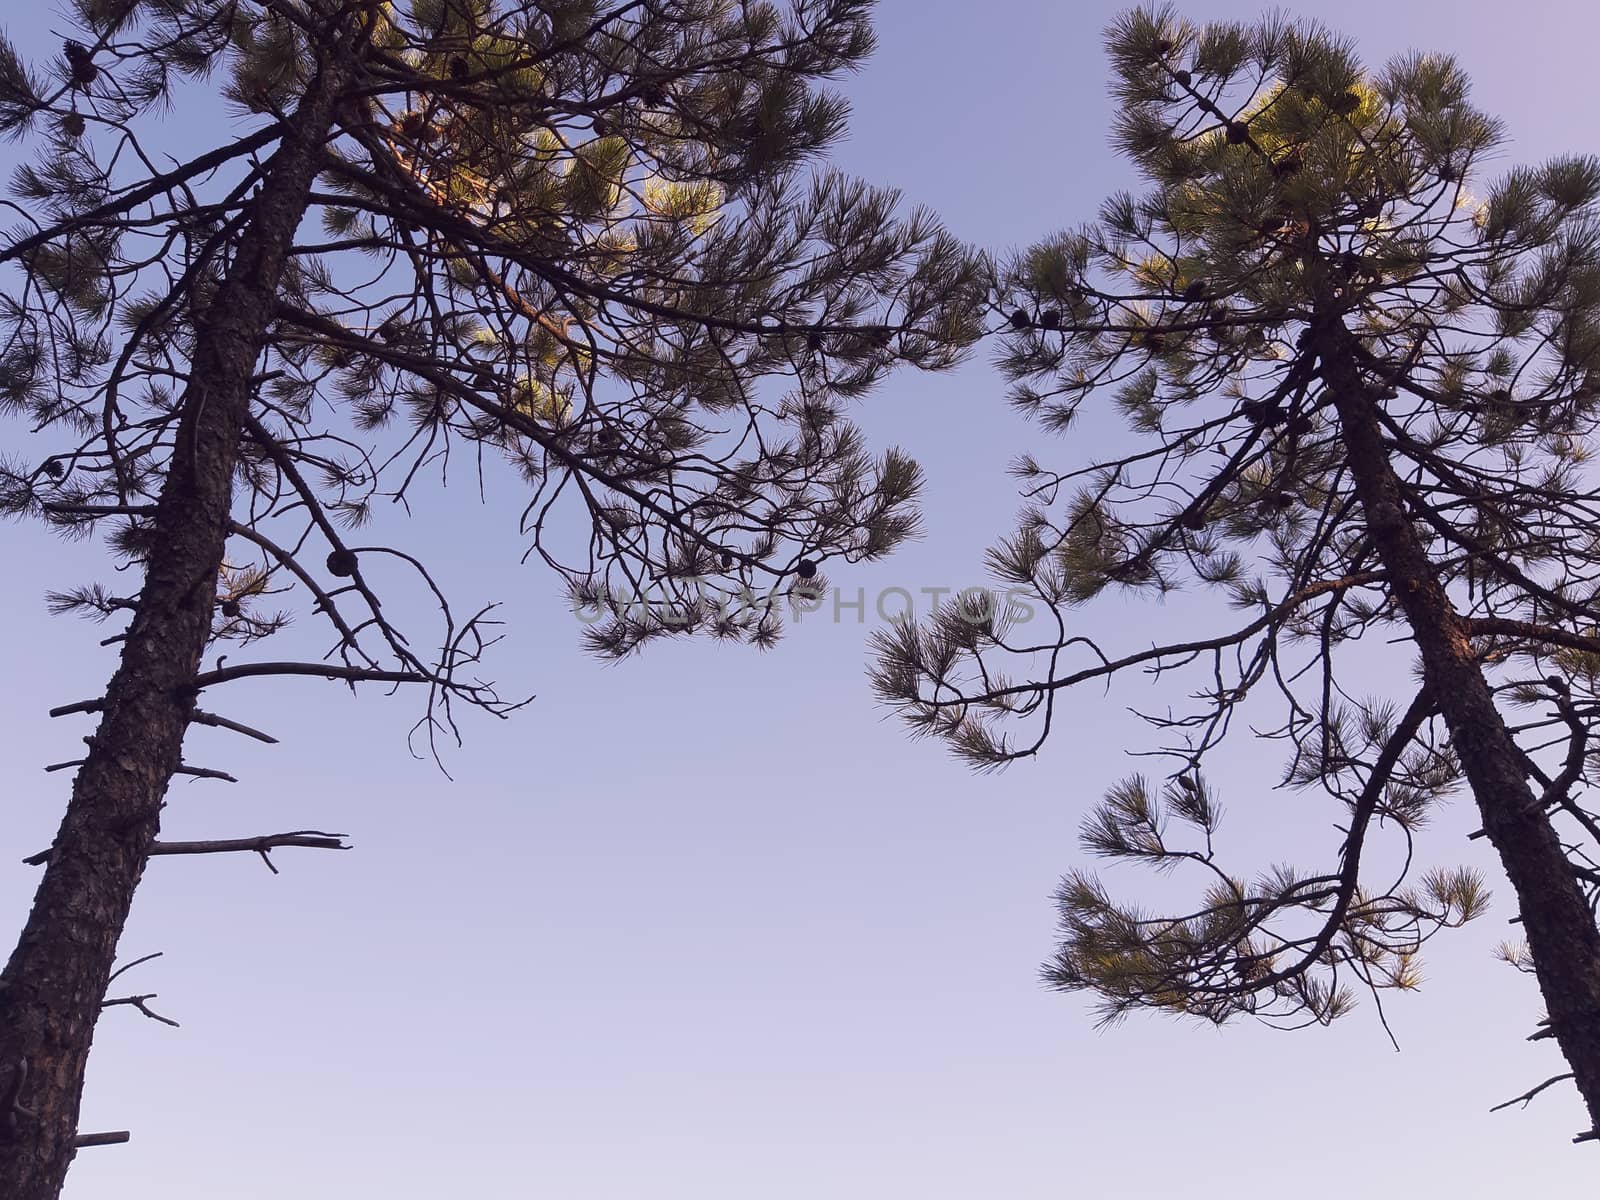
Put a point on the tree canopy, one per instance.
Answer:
(587, 247)
(1360, 378)
(569, 236)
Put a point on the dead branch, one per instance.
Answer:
(182, 769)
(117, 1138)
(138, 962)
(82, 706)
(310, 839)
(199, 717)
(216, 722)
(1527, 1097)
(319, 670)
(139, 1002)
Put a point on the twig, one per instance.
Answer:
(138, 962)
(1527, 1097)
(138, 1002)
(205, 773)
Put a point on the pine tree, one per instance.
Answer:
(1361, 403)
(584, 246)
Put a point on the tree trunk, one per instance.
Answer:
(1560, 929)
(53, 985)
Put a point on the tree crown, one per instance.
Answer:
(585, 239)
(1308, 234)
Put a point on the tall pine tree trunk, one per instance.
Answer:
(1561, 931)
(53, 985)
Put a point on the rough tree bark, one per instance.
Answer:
(53, 985)
(1560, 929)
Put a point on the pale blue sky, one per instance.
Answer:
(704, 925)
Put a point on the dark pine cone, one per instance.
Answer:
(84, 72)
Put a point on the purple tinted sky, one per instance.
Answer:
(704, 925)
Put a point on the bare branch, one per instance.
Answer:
(1527, 1097)
(311, 839)
(85, 1140)
(140, 1003)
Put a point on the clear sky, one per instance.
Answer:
(705, 925)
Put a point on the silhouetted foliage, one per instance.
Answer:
(1361, 402)
(578, 244)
